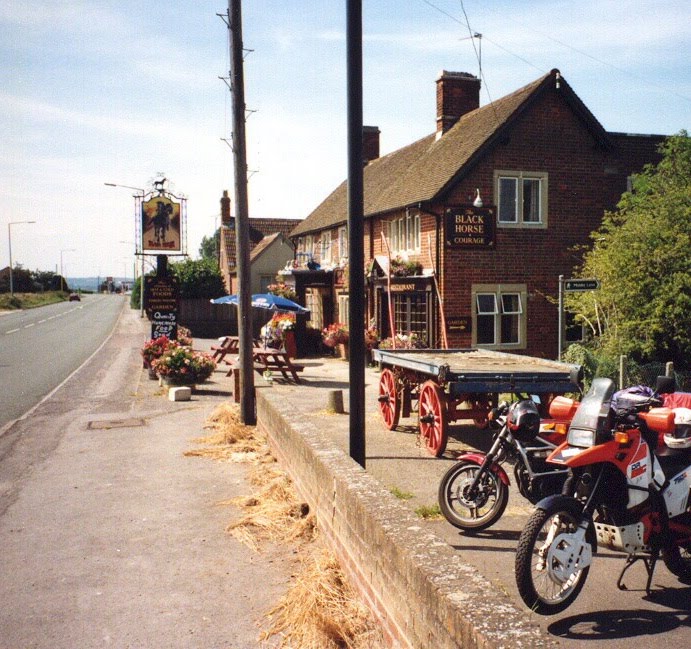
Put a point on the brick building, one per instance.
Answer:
(486, 212)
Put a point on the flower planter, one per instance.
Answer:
(290, 344)
(343, 351)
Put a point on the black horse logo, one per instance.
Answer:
(162, 220)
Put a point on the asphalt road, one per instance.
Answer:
(41, 347)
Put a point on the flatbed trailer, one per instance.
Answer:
(445, 385)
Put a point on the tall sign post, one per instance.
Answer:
(571, 286)
(356, 310)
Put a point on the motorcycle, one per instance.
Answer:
(474, 492)
(621, 494)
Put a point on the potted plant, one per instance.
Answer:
(183, 366)
(153, 349)
(282, 289)
(336, 336)
(402, 268)
(411, 340)
(280, 332)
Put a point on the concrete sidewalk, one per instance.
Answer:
(110, 536)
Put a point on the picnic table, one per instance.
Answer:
(270, 360)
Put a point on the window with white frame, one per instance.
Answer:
(404, 233)
(343, 306)
(499, 316)
(521, 198)
(343, 242)
(325, 248)
(309, 245)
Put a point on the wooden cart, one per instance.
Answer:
(444, 386)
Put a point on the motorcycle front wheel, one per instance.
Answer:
(547, 579)
(470, 509)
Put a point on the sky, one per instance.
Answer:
(120, 91)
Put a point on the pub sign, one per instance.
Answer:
(467, 226)
(161, 225)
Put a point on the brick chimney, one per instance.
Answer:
(225, 209)
(457, 94)
(370, 143)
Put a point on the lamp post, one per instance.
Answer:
(9, 243)
(62, 276)
(140, 195)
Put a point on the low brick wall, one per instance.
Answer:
(419, 588)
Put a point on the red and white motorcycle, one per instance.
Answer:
(621, 494)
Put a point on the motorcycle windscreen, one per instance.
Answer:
(593, 415)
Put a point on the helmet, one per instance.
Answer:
(523, 420)
(681, 438)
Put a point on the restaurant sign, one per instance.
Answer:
(469, 226)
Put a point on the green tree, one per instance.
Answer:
(199, 278)
(641, 256)
(210, 246)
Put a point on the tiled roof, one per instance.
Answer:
(259, 230)
(425, 169)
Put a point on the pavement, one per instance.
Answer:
(112, 537)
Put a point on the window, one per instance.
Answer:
(499, 317)
(521, 198)
(325, 248)
(343, 242)
(575, 332)
(343, 306)
(410, 314)
(404, 233)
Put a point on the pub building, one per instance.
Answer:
(483, 216)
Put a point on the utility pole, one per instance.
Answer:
(237, 89)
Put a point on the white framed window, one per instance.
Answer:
(343, 242)
(343, 306)
(325, 248)
(499, 317)
(404, 233)
(309, 245)
(521, 198)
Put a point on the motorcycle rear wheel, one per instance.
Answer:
(466, 512)
(678, 562)
(547, 588)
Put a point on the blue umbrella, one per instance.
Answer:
(265, 301)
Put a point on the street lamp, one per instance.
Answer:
(62, 276)
(9, 242)
(140, 195)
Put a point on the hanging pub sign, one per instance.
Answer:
(161, 225)
(469, 226)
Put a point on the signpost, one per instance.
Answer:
(576, 285)
(571, 286)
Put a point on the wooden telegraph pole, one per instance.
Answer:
(237, 88)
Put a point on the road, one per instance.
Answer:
(40, 347)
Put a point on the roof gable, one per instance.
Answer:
(426, 169)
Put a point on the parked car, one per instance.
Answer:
(75, 297)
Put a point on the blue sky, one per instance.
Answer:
(97, 91)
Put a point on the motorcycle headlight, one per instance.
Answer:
(581, 437)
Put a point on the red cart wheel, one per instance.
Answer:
(389, 399)
(434, 419)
